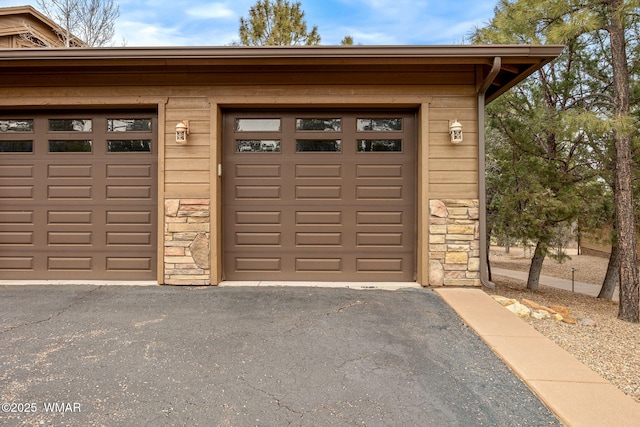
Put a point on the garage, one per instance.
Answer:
(320, 195)
(78, 195)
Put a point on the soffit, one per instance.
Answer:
(518, 61)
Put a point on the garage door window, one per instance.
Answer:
(258, 146)
(319, 145)
(379, 125)
(369, 145)
(258, 125)
(70, 125)
(16, 125)
(128, 125)
(16, 146)
(72, 146)
(323, 125)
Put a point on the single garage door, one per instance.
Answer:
(78, 195)
(326, 196)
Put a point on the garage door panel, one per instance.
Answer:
(318, 171)
(129, 239)
(69, 217)
(79, 209)
(256, 264)
(129, 171)
(320, 265)
(379, 192)
(70, 263)
(379, 218)
(13, 192)
(16, 238)
(379, 171)
(379, 265)
(379, 239)
(70, 171)
(258, 217)
(120, 192)
(16, 217)
(70, 192)
(258, 171)
(340, 201)
(258, 239)
(137, 264)
(319, 192)
(319, 239)
(70, 238)
(126, 217)
(16, 263)
(254, 192)
(318, 218)
(16, 171)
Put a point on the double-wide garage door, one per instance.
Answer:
(78, 195)
(327, 196)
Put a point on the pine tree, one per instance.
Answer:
(566, 21)
(278, 23)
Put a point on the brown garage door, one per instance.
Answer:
(319, 196)
(78, 196)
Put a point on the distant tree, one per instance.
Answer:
(92, 21)
(347, 41)
(278, 23)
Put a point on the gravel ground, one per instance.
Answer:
(611, 347)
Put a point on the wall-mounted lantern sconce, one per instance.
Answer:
(182, 130)
(455, 130)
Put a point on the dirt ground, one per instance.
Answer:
(611, 347)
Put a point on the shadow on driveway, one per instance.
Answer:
(171, 356)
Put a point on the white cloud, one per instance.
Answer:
(211, 11)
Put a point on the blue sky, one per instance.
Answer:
(369, 22)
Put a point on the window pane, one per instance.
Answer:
(318, 145)
(128, 125)
(257, 146)
(333, 125)
(69, 146)
(365, 145)
(258, 125)
(14, 125)
(70, 125)
(16, 146)
(129, 145)
(379, 125)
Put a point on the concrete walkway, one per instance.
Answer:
(573, 392)
(554, 282)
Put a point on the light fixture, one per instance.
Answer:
(182, 130)
(455, 130)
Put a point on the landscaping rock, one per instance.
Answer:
(519, 309)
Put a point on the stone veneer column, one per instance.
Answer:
(454, 243)
(186, 242)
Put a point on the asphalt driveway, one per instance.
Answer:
(180, 356)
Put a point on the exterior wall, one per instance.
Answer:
(189, 186)
(12, 27)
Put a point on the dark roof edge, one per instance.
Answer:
(307, 52)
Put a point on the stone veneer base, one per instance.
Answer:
(186, 242)
(454, 243)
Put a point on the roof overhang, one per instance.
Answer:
(517, 61)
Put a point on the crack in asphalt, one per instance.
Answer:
(57, 314)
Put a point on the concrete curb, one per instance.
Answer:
(573, 392)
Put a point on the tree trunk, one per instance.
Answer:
(533, 281)
(629, 308)
(611, 278)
